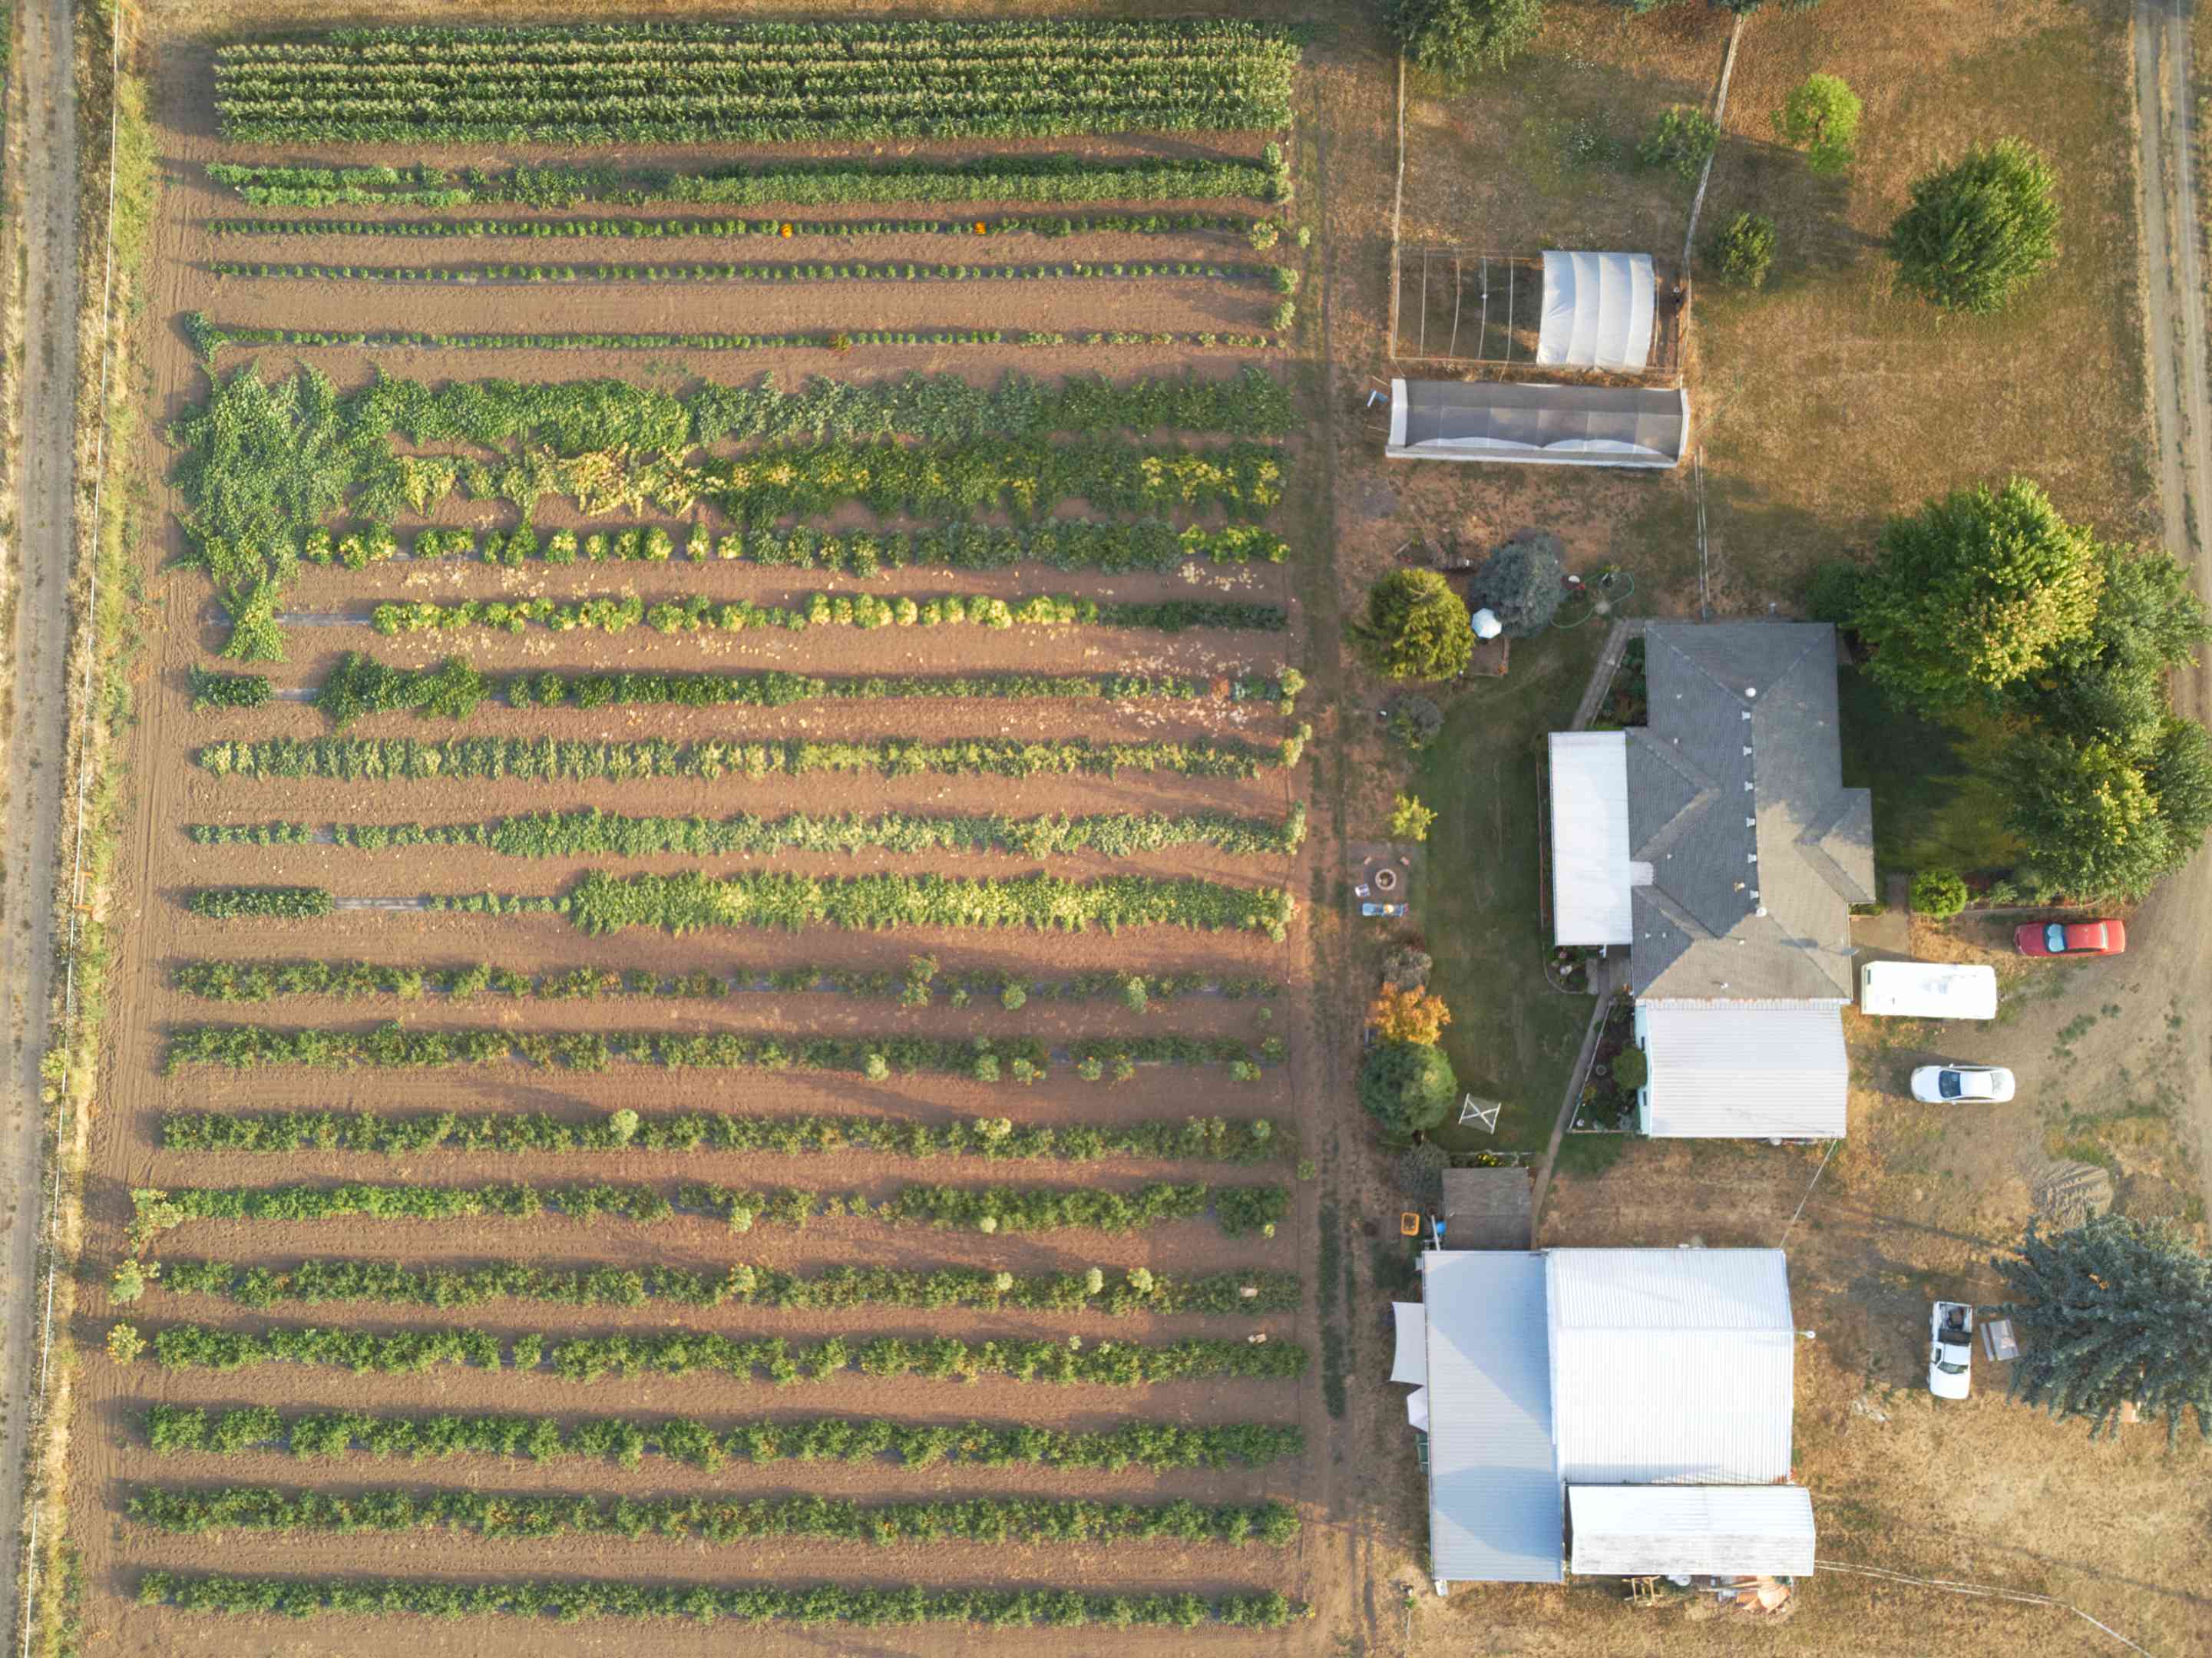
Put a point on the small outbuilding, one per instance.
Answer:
(1599, 309)
(1639, 427)
(1690, 1531)
(1743, 1070)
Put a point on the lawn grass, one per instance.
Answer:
(1931, 809)
(1512, 1036)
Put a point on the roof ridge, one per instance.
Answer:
(1703, 792)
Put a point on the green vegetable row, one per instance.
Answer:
(330, 1436)
(209, 337)
(1016, 224)
(786, 275)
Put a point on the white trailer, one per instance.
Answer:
(1929, 990)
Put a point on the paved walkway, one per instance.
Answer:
(1608, 662)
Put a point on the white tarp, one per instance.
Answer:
(1417, 1408)
(1597, 311)
(1412, 1361)
(1590, 875)
(1929, 990)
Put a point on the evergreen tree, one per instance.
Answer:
(1407, 1086)
(2112, 1313)
(1522, 583)
(1977, 230)
(1416, 627)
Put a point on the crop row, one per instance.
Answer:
(1053, 225)
(836, 1289)
(536, 1516)
(697, 613)
(589, 1359)
(798, 184)
(209, 337)
(780, 83)
(1211, 1140)
(550, 760)
(1064, 544)
(261, 981)
(360, 684)
(572, 1600)
(329, 1435)
(242, 903)
(589, 831)
(391, 1046)
(509, 275)
(1238, 1210)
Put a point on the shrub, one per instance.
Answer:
(1632, 1069)
(1832, 594)
(1415, 628)
(1407, 967)
(1938, 894)
(124, 1343)
(1407, 1087)
(1742, 250)
(1414, 721)
(1408, 1016)
(1977, 230)
(1820, 117)
(1410, 820)
(1681, 141)
(1521, 583)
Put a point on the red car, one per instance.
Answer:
(2072, 939)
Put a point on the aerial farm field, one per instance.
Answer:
(716, 1024)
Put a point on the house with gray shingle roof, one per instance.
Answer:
(1718, 844)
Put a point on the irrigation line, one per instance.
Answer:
(2025, 1596)
(84, 776)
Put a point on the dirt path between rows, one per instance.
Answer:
(44, 101)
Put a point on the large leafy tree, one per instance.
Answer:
(1820, 117)
(1523, 582)
(1978, 230)
(2114, 1312)
(1407, 1086)
(1456, 38)
(2088, 817)
(2110, 681)
(1416, 627)
(1974, 593)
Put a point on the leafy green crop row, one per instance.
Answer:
(247, 903)
(329, 1435)
(697, 613)
(588, 1359)
(1211, 1140)
(589, 831)
(316, 1283)
(533, 1517)
(500, 276)
(798, 184)
(209, 337)
(549, 759)
(572, 1600)
(1051, 225)
(756, 83)
(391, 1046)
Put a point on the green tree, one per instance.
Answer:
(1820, 117)
(1977, 230)
(1938, 894)
(1407, 1086)
(1415, 628)
(1974, 592)
(2086, 815)
(1410, 819)
(1456, 38)
(2111, 682)
(1742, 250)
(1523, 582)
(2179, 773)
(2112, 1313)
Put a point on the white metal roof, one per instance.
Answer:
(1495, 1507)
(1671, 1365)
(1745, 1071)
(1929, 990)
(1525, 422)
(1598, 310)
(1590, 878)
(1411, 1361)
(1624, 1531)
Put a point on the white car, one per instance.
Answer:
(1951, 1350)
(1940, 1085)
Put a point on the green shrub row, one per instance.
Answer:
(798, 184)
(549, 759)
(1015, 224)
(697, 613)
(988, 1209)
(690, 1352)
(753, 83)
(572, 1600)
(260, 981)
(834, 1289)
(1213, 1139)
(532, 1517)
(1062, 544)
(788, 275)
(209, 337)
(329, 1435)
(228, 691)
(360, 684)
(589, 831)
(247, 903)
(393, 1046)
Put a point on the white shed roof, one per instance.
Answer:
(1598, 310)
(1671, 1365)
(1495, 1507)
(1745, 1070)
(1625, 1531)
(1590, 876)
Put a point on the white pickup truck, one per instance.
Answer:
(1951, 1350)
